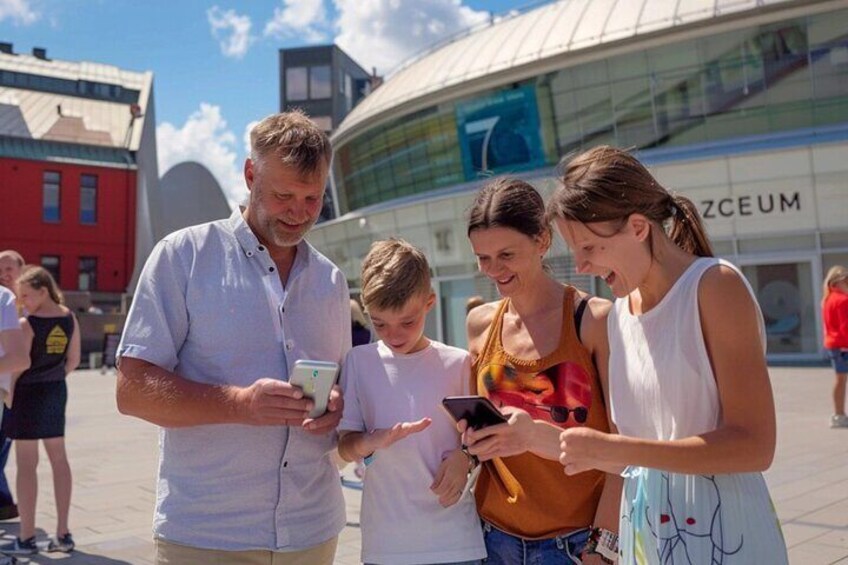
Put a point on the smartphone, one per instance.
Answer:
(478, 411)
(316, 379)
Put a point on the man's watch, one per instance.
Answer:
(604, 543)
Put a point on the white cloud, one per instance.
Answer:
(302, 19)
(246, 137)
(206, 139)
(19, 11)
(384, 33)
(231, 30)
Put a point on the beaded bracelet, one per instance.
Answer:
(604, 543)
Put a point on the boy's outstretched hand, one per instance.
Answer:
(450, 478)
(383, 438)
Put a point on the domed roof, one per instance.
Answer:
(525, 39)
(190, 196)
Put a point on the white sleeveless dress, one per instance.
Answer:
(662, 387)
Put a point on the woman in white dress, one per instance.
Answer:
(689, 389)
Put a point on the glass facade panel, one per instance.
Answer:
(402, 158)
(296, 83)
(829, 60)
(500, 132)
(323, 122)
(785, 294)
(454, 294)
(780, 77)
(348, 92)
(320, 82)
(88, 199)
(50, 208)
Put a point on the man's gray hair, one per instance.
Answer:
(294, 139)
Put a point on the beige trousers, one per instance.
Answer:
(174, 554)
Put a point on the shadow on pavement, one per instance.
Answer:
(77, 557)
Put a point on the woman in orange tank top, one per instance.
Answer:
(541, 356)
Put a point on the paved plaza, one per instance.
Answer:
(113, 458)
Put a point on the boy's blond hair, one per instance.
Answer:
(393, 272)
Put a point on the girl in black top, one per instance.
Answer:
(38, 405)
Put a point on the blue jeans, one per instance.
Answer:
(506, 549)
(478, 562)
(839, 359)
(5, 448)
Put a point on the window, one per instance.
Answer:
(88, 273)
(51, 263)
(88, 199)
(296, 83)
(323, 122)
(348, 92)
(50, 211)
(320, 85)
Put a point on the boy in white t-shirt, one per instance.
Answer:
(413, 511)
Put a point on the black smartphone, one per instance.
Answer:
(478, 411)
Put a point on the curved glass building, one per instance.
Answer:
(742, 105)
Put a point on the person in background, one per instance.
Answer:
(835, 318)
(360, 332)
(411, 507)
(473, 302)
(13, 359)
(689, 388)
(221, 314)
(11, 263)
(540, 354)
(38, 411)
(14, 356)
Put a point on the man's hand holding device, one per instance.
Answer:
(272, 402)
(317, 381)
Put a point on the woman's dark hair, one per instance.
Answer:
(608, 184)
(509, 203)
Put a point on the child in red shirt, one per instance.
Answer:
(835, 317)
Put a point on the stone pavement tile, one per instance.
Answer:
(816, 554)
(836, 538)
(800, 534)
(834, 516)
(114, 461)
(815, 499)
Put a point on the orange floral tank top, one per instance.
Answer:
(526, 495)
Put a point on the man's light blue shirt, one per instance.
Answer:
(210, 307)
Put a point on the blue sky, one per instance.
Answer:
(215, 61)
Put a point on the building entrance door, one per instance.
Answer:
(787, 297)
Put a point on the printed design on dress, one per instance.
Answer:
(684, 530)
(561, 394)
(57, 341)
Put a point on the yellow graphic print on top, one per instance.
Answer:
(57, 341)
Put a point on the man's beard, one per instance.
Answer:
(282, 238)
